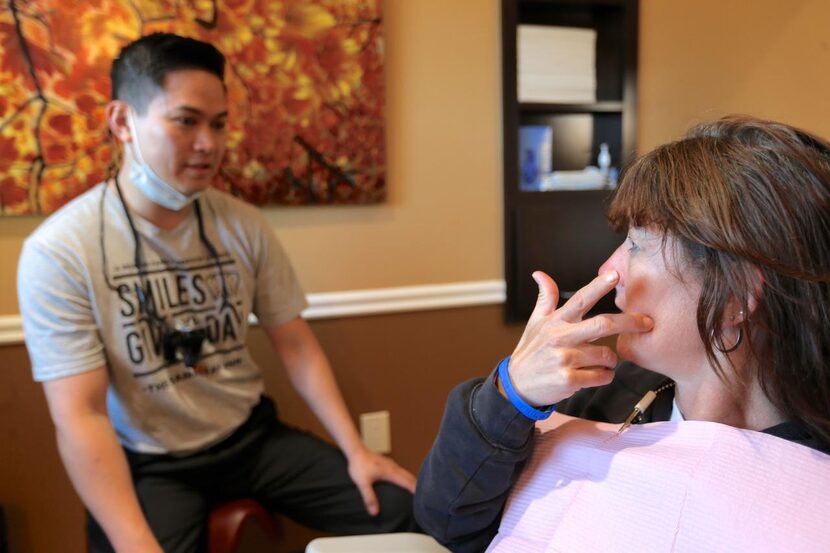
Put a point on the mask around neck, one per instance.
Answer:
(156, 189)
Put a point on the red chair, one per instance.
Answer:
(227, 520)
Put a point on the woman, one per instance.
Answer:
(722, 283)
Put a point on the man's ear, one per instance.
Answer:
(117, 114)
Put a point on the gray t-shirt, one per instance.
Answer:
(78, 288)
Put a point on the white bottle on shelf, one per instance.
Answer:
(604, 162)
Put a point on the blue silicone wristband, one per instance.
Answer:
(521, 405)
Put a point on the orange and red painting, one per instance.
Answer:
(305, 90)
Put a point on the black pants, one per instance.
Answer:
(287, 470)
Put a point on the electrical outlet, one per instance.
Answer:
(374, 428)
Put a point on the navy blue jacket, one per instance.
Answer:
(484, 443)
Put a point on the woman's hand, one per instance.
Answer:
(555, 357)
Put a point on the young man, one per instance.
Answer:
(135, 300)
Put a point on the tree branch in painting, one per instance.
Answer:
(305, 93)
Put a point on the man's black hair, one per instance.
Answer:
(138, 72)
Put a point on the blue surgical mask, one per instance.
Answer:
(149, 183)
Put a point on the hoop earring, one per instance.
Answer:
(718, 343)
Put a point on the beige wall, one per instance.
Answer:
(701, 59)
(442, 222)
(698, 59)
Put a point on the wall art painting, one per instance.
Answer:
(305, 94)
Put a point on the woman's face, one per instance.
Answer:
(649, 284)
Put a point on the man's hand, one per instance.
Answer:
(367, 467)
(312, 377)
(555, 357)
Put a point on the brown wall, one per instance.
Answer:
(404, 363)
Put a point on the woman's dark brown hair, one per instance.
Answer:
(749, 200)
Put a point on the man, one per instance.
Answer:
(135, 300)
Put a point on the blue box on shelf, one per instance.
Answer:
(535, 153)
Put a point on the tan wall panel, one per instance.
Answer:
(442, 222)
(702, 59)
(13, 230)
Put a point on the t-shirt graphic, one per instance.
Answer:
(187, 296)
(79, 291)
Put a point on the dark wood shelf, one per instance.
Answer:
(596, 107)
(565, 232)
(539, 197)
(578, 3)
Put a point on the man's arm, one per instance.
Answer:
(312, 377)
(95, 461)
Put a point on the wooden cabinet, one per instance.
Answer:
(564, 232)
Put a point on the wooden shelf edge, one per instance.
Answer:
(596, 107)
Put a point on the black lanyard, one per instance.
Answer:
(188, 342)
